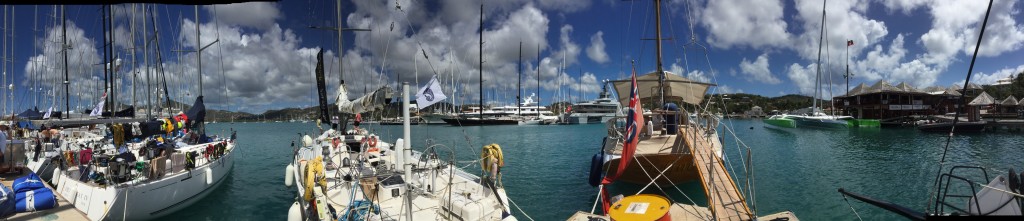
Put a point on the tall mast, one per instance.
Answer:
(145, 57)
(341, 72)
(67, 82)
(519, 87)
(817, 76)
(106, 71)
(135, 73)
(199, 53)
(160, 60)
(657, 42)
(538, 80)
(481, 94)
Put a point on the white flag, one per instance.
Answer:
(430, 94)
(48, 112)
(98, 110)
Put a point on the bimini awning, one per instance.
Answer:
(676, 87)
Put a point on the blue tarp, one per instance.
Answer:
(35, 200)
(27, 183)
(32, 195)
(31, 114)
(7, 201)
(27, 125)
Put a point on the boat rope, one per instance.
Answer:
(851, 207)
(1017, 195)
(600, 190)
(520, 209)
(662, 173)
(962, 103)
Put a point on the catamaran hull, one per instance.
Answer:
(780, 123)
(145, 201)
(821, 123)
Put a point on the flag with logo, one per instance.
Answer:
(849, 43)
(48, 112)
(98, 110)
(430, 94)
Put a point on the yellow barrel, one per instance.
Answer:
(643, 207)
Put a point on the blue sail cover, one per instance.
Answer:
(31, 114)
(196, 114)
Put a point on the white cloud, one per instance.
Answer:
(983, 78)
(955, 29)
(878, 62)
(803, 77)
(450, 39)
(250, 14)
(596, 49)
(46, 69)
(745, 23)
(726, 89)
(758, 71)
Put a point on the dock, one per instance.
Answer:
(725, 200)
(65, 211)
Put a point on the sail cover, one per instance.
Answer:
(369, 102)
(196, 114)
(676, 87)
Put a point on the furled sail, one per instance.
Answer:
(369, 102)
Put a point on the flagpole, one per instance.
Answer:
(847, 75)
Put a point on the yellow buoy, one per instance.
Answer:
(643, 207)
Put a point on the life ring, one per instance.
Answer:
(491, 154)
(335, 142)
(372, 141)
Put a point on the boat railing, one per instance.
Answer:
(946, 180)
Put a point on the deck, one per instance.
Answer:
(724, 199)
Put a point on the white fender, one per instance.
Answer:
(289, 175)
(209, 176)
(56, 175)
(294, 212)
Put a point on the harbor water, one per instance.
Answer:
(547, 167)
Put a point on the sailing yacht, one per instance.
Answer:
(354, 175)
(663, 149)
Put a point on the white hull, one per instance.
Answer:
(147, 199)
(590, 118)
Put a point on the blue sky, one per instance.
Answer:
(760, 47)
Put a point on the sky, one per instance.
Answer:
(264, 53)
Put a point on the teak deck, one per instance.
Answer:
(724, 198)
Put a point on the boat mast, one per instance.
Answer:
(67, 85)
(199, 53)
(145, 58)
(481, 59)
(106, 71)
(519, 88)
(657, 42)
(538, 81)
(817, 76)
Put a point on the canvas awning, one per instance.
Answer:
(676, 87)
(982, 99)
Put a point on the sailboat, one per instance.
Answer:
(641, 149)
(956, 192)
(354, 175)
(812, 117)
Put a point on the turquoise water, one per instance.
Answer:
(547, 167)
